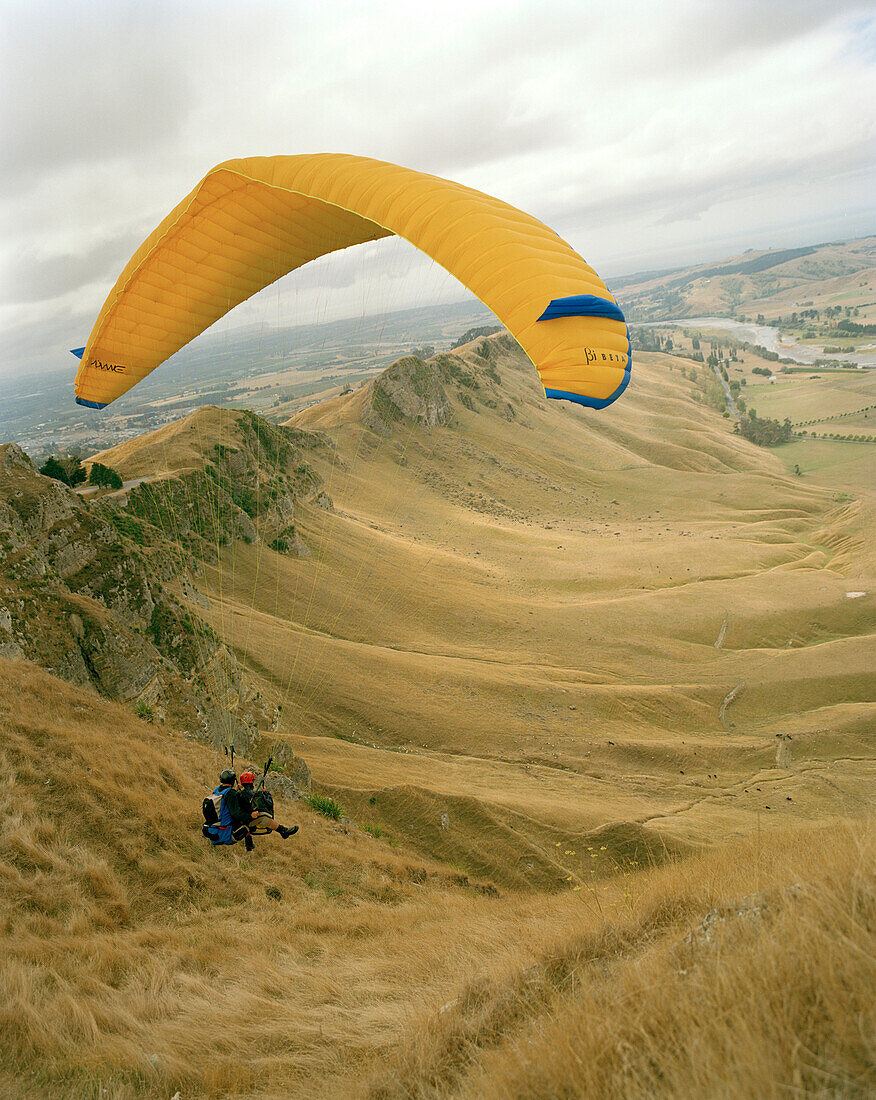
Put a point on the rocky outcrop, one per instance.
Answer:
(245, 491)
(48, 534)
(74, 597)
(104, 593)
(294, 780)
(90, 603)
(410, 390)
(720, 926)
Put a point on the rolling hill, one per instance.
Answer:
(570, 619)
(771, 283)
(593, 694)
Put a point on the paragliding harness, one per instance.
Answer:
(263, 800)
(219, 826)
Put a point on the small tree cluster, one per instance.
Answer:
(473, 334)
(105, 477)
(765, 432)
(68, 469)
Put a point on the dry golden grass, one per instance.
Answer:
(525, 612)
(126, 935)
(138, 961)
(177, 448)
(773, 998)
(502, 654)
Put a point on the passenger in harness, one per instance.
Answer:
(226, 814)
(261, 807)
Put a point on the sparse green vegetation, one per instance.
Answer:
(128, 526)
(325, 805)
(454, 370)
(272, 439)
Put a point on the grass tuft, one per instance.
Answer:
(326, 806)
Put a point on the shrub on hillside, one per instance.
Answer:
(325, 806)
(144, 712)
(105, 477)
(128, 526)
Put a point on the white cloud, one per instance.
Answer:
(640, 132)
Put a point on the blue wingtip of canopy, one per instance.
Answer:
(78, 352)
(590, 402)
(91, 404)
(582, 305)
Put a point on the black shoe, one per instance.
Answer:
(205, 829)
(248, 843)
(284, 832)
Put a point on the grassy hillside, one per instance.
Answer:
(768, 994)
(576, 680)
(772, 283)
(567, 577)
(137, 961)
(551, 619)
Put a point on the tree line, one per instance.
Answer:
(765, 432)
(69, 470)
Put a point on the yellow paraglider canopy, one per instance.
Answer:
(250, 221)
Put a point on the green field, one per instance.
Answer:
(860, 423)
(850, 468)
(804, 398)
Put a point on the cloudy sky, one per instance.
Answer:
(646, 134)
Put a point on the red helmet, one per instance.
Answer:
(247, 777)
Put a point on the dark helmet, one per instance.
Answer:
(247, 778)
(227, 776)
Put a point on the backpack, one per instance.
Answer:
(222, 829)
(210, 808)
(263, 801)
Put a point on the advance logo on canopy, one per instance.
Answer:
(99, 364)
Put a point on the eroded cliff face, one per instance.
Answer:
(94, 592)
(409, 389)
(243, 489)
(74, 597)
